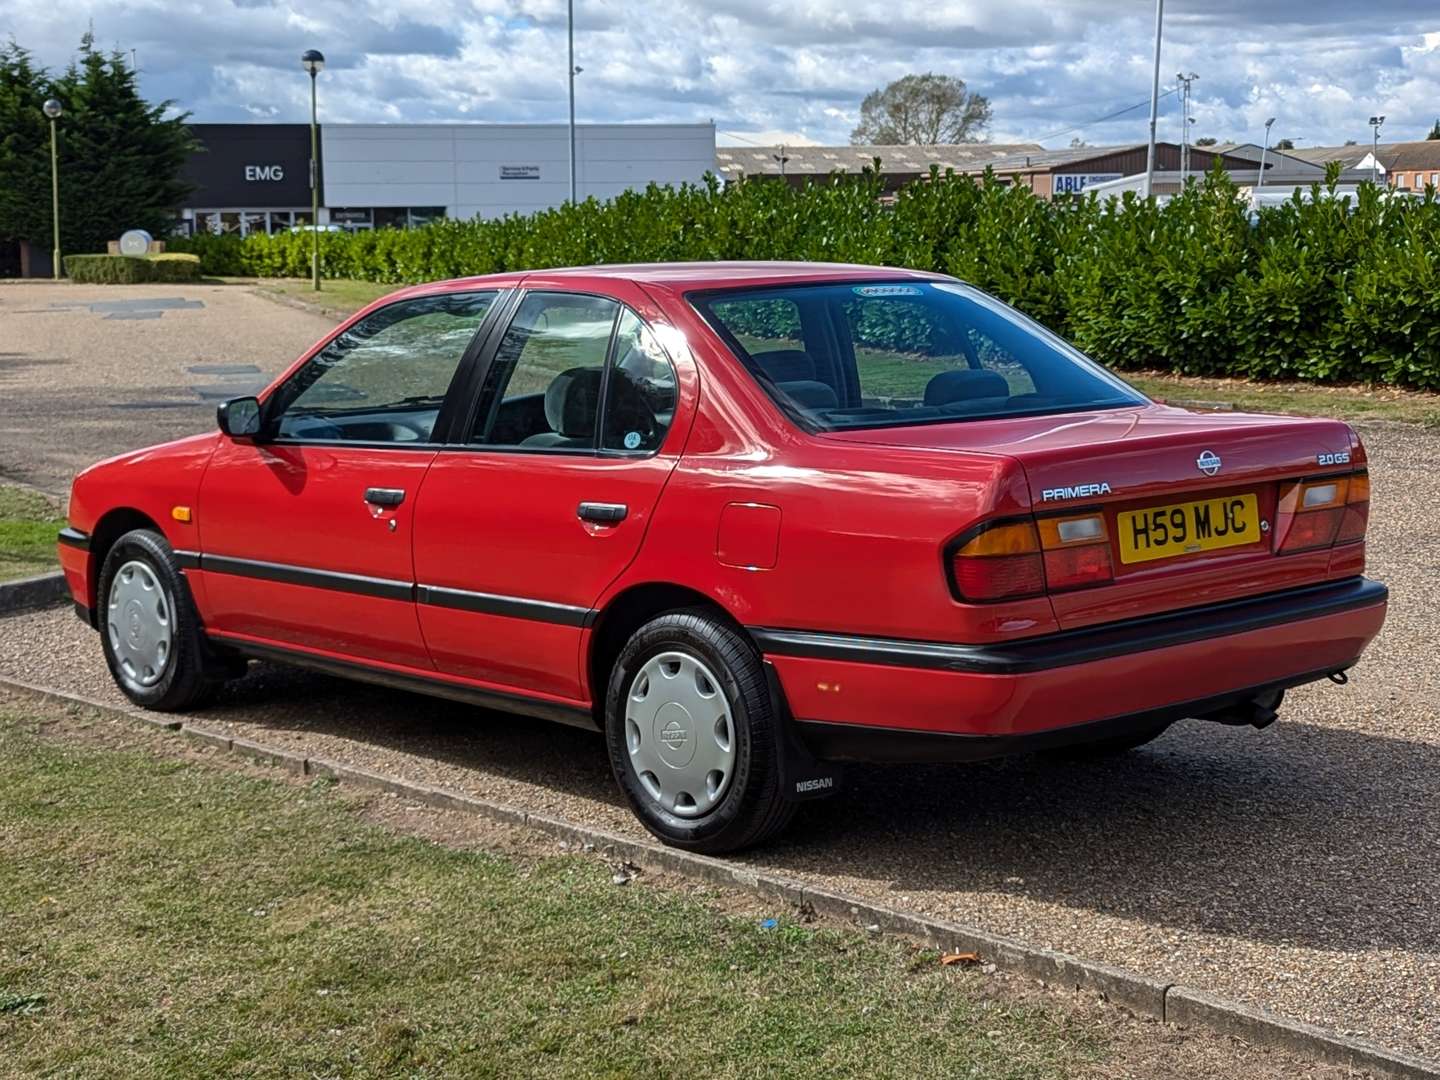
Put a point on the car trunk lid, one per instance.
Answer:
(1137, 466)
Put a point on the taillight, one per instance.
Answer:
(1325, 512)
(1077, 552)
(1357, 510)
(1019, 558)
(999, 561)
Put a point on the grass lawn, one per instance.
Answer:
(28, 524)
(340, 295)
(167, 917)
(1306, 399)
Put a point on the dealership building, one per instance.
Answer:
(256, 177)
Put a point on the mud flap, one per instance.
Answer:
(802, 775)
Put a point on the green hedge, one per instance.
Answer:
(132, 269)
(1326, 289)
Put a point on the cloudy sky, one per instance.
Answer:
(771, 70)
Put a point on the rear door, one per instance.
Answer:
(545, 499)
(306, 535)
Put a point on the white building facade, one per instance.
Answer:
(402, 174)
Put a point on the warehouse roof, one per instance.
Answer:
(733, 161)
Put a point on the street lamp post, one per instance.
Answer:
(1260, 179)
(1185, 121)
(314, 63)
(1154, 103)
(573, 70)
(52, 109)
(1375, 124)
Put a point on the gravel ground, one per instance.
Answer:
(122, 378)
(1296, 868)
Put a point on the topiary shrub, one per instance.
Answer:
(131, 269)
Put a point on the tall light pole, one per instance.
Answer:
(573, 70)
(314, 62)
(1154, 102)
(1375, 124)
(53, 109)
(1260, 179)
(1185, 122)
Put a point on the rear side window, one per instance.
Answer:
(577, 374)
(839, 356)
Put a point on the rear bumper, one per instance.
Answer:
(1067, 687)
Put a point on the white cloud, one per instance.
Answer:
(774, 68)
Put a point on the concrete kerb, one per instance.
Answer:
(1139, 994)
(1189, 1007)
(42, 590)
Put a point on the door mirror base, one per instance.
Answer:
(241, 418)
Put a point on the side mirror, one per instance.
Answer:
(239, 417)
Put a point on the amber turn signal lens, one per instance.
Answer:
(1013, 538)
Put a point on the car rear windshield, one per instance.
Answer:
(838, 356)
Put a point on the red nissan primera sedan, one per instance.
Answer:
(750, 520)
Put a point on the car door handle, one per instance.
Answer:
(602, 513)
(384, 496)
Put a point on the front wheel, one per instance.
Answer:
(149, 630)
(693, 734)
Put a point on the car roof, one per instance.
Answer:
(684, 276)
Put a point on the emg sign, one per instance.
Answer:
(1074, 183)
(273, 173)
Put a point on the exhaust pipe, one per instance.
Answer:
(1257, 712)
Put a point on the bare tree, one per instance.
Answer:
(922, 110)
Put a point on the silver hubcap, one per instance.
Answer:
(680, 734)
(140, 624)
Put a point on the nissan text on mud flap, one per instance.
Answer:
(750, 521)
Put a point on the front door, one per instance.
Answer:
(305, 535)
(518, 532)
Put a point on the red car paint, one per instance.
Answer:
(836, 534)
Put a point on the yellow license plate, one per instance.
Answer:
(1162, 532)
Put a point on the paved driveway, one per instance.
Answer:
(89, 371)
(1296, 868)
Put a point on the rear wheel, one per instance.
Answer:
(149, 630)
(692, 734)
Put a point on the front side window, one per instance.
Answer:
(840, 356)
(383, 379)
(565, 361)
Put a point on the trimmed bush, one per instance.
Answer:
(1321, 288)
(131, 269)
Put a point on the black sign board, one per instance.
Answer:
(250, 166)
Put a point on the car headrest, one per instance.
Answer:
(572, 401)
(965, 384)
(786, 365)
(810, 393)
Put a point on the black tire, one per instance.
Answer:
(1106, 748)
(192, 671)
(752, 808)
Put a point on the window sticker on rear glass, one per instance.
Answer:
(886, 290)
